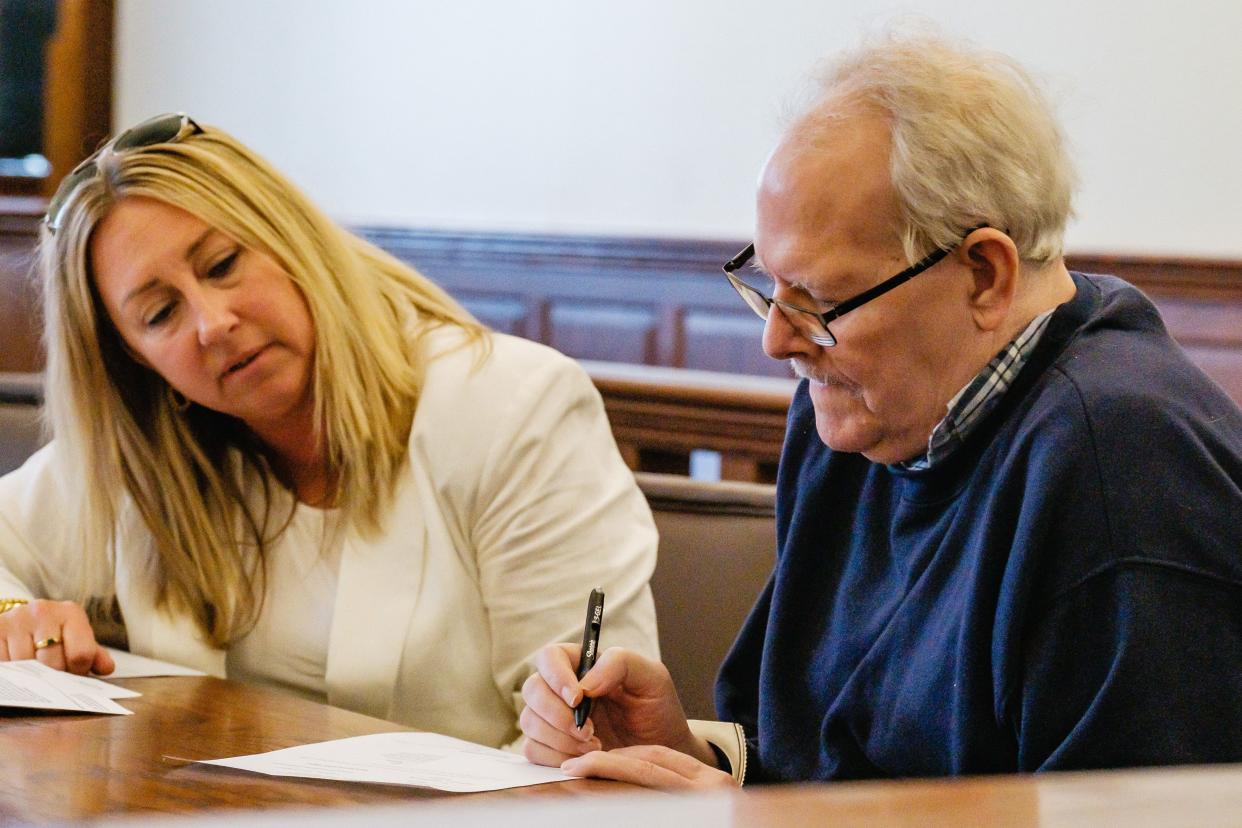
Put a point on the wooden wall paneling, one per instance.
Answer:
(509, 313)
(20, 324)
(678, 282)
(595, 330)
(730, 342)
(671, 334)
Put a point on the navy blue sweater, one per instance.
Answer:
(1064, 591)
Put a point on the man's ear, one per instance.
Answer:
(995, 269)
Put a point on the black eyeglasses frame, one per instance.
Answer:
(826, 338)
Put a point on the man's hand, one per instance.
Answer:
(62, 627)
(633, 703)
(652, 766)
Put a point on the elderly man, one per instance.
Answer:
(1008, 506)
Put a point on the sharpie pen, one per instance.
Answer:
(590, 649)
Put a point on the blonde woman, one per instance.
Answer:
(283, 456)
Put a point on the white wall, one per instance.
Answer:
(652, 117)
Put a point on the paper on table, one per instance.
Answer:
(428, 760)
(30, 684)
(129, 665)
(102, 688)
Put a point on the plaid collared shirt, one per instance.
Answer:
(980, 395)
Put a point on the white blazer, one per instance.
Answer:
(514, 504)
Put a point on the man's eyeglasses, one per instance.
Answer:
(813, 324)
(162, 129)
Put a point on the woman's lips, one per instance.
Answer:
(244, 362)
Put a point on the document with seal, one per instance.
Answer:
(425, 760)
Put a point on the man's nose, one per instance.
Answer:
(781, 339)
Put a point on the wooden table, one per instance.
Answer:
(56, 766)
(76, 768)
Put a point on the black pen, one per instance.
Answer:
(590, 649)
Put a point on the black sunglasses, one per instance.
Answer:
(162, 129)
(813, 324)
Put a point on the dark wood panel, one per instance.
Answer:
(20, 323)
(510, 314)
(600, 330)
(728, 342)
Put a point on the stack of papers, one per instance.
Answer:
(33, 685)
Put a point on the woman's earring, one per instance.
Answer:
(179, 401)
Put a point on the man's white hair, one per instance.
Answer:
(974, 141)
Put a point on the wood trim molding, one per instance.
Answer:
(1156, 275)
(659, 415)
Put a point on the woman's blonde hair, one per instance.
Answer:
(975, 142)
(201, 482)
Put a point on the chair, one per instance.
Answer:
(20, 428)
(717, 548)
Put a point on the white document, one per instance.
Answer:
(32, 685)
(427, 760)
(129, 665)
(103, 688)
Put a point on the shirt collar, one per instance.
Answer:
(980, 395)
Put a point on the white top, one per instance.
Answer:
(288, 646)
(514, 504)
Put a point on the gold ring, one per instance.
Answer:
(44, 643)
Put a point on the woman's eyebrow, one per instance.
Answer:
(138, 291)
(197, 244)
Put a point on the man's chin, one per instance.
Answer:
(840, 437)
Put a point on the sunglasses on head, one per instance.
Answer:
(162, 129)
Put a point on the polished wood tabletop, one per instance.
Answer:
(77, 768)
(71, 767)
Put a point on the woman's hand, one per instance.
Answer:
(633, 703)
(63, 630)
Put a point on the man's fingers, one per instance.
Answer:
(554, 738)
(556, 663)
(652, 766)
(619, 667)
(546, 719)
(612, 764)
(542, 700)
(542, 754)
(538, 753)
(674, 760)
